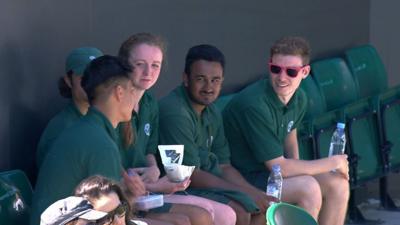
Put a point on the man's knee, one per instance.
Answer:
(337, 188)
(310, 195)
(242, 216)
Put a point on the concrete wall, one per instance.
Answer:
(385, 35)
(37, 35)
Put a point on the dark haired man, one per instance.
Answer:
(90, 146)
(69, 87)
(188, 117)
(260, 124)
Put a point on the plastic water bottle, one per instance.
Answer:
(274, 185)
(338, 141)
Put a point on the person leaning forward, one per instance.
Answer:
(89, 146)
(260, 124)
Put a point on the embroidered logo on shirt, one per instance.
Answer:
(289, 126)
(147, 129)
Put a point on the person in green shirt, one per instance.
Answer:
(89, 146)
(69, 87)
(260, 124)
(188, 117)
(145, 53)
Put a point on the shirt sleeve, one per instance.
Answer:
(179, 130)
(257, 130)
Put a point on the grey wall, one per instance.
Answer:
(385, 35)
(37, 35)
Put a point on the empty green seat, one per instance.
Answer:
(335, 82)
(286, 214)
(13, 209)
(323, 127)
(20, 181)
(390, 124)
(364, 141)
(367, 69)
(305, 140)
(316, 102)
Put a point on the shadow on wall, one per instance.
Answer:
(24, 125)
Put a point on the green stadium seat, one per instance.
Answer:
(306, 142)
(323, 127)
(316, 102)
(286, 214)
(335, 82)
(363, 141)
(19, 180)
(390, 126)
(13, 208)
(367, 69)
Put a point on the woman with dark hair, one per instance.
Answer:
(107, 196)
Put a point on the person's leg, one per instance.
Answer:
(151, 221)
(303, 191)
(222, 214)
(242, 216)
(258, 219)
(168, 218)
(197, 215)
(335, 193)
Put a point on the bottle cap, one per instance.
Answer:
(341, 125)
(276, 167)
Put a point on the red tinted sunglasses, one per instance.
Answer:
(291, 71)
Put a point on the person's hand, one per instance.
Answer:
(262, 200)
(148, 174)
(134, 184)
(165, 186)
(342, 165)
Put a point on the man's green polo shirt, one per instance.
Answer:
(68, 116)
(204, 140)
(257, 123)
(202, 135)
(87, 148)
(145, 125)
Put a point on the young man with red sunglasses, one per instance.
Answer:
(260, 124)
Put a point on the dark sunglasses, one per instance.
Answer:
(120, 211)
(291, 71)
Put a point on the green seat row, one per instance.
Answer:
(15, 198)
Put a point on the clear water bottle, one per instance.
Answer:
(338, 141)
(274, 185)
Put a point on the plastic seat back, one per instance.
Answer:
(13, 209)
(286, 214)
(367, 69)
(364, 141)
(316, 104)
(20, 181)
(390, 124)
(335, 82)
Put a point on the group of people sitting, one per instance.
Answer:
(104, 143)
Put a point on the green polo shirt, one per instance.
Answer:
(257, 123)
(68, 116)
(145, 125)
(204, 140)
(86, 148)
(202, 135)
